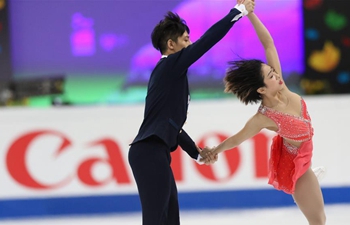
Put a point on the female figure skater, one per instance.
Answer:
(285, 113)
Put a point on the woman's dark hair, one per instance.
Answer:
(171, 27)
(243, 78)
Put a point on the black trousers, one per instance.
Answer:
(150, 163)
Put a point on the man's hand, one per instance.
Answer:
(207, 156)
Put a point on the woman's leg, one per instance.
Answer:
(309, 199)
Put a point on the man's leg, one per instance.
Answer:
(173, 209)
(150, 161)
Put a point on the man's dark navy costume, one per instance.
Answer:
(161, 131)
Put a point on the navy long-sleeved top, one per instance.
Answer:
(168, 93)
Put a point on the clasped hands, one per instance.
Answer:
(208, 156)
(249, 4)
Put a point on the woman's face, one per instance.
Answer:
(272, 79)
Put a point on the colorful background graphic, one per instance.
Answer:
(241, 41)
(327, 47)
(103, 48)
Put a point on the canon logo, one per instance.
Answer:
(18, 169)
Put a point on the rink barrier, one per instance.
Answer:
(74, 160)
(118, 204)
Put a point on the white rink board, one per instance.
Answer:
(71, 152)
(84, 126)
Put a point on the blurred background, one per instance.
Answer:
(73, 79)
(99, 52)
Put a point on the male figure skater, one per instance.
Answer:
(166, 111)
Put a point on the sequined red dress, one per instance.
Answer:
(288, 163)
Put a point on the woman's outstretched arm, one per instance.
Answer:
(267, 42)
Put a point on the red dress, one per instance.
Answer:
(288, 163)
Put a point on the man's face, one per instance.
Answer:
(182, 42)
